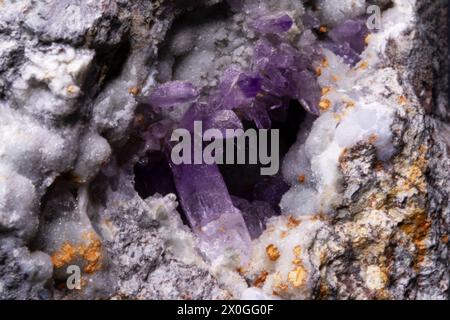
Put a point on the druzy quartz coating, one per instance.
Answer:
(280, 71)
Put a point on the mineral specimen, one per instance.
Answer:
(273, 24)
(90, 91)
(349, 40)
(173, 93)
(210, 211)
(279, 71)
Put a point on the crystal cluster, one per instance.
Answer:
(282, 70)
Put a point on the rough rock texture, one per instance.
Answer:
(69, 74)
(387, 236)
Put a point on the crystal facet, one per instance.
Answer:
(352, 32)
(348, 40)
(273, 24)
(208, 207)
(173, 93)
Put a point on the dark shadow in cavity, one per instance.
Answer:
(153, 175)
(246, 181)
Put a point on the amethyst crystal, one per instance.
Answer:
(156, 134)
(196, 112)
(208, 208)
(348, 40)
(350, 56)
(279, 73)
(211, 118)
(250, 84)
(237, 89)
(309, 91)
(310, 21)
(352, 32)
(273, 24)
(173, 93)
(258, 114)
(222, 120)
(285, 74)
(203, 194)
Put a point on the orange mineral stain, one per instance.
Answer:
(90, 252)
(272, 252)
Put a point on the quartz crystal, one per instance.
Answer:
(310, 21)
(348, 40)
(220, 119)
(223, 120)
(352, 32)
(92, 91)
(279, 72)
(208, 207)
(273, 24)
(349, 55)
(173, 93)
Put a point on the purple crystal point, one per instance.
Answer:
(285, 73)
(273, 24)
(156, 133)
(229, 95)
(352, 32)
(250, 84)
(276, 81)
(211, 118)
(309, 92)
(262, 54)
(197, 185)
(348, 40)
(209, 210)
(228, 80)
(173, 93)
(223, 120)
(344, 51)
(258, 113)
(237, 90)
(204, 196)
(196, 112)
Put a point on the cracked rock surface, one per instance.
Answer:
(371, 222)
